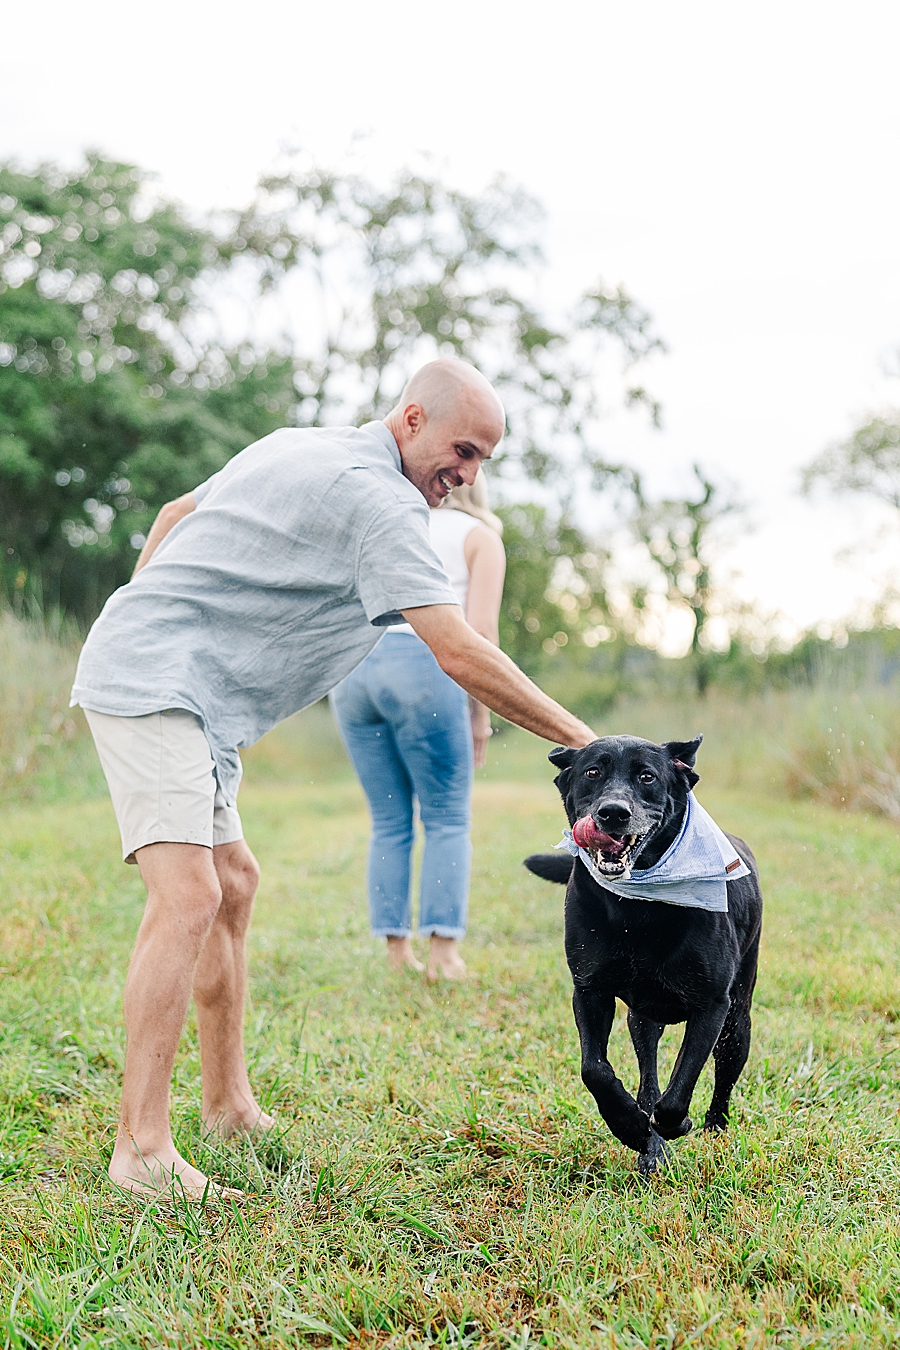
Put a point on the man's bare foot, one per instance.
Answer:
(162, 1175)
(444, 959)
(401, 956)
(242, 1118)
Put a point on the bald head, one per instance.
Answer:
(442, 388)
(448, 421)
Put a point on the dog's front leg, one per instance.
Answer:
(645, 1034)
(594, 1012)
(670, 1115)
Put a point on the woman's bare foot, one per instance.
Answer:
(444, 959)
(401, 956)
(162, 1174)
(240, 1118)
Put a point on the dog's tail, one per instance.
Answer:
(551, 866)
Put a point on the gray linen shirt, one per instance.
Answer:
(301, 550)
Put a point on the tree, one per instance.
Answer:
(413, 269)
(108, 405)
(680, 537)
(555, 588)
(869, 462)
(113, 401)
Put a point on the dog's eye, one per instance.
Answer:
(646, 777)
(592, 773)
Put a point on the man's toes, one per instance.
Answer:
(253, 1125)
(225, 1194)
(172, 1188)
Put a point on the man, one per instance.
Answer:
(252, 597)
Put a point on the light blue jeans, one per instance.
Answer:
(406, 728)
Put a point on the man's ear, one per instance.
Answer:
(683, 755)
(413, 418)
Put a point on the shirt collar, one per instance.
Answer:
(386, 436)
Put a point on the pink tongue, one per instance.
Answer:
(587, 835)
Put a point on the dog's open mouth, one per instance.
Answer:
(611, 854)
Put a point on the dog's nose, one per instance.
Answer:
(613, 815)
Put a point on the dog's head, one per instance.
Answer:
(625, 797)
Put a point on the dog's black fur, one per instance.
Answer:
(665, 962)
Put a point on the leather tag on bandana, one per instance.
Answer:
(732, 865)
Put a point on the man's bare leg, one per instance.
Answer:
(401, 956)
(183, 898)
(220, 984)
(444, 959)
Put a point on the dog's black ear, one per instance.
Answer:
(683, 755)
(563, 757)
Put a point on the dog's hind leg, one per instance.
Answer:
(645, 1035)
(733, 1045)
(730, 1054)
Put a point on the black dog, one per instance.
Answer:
(667, 963)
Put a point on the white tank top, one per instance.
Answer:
(449, 530)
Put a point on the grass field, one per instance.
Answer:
(440, 1176)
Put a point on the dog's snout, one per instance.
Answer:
(613, 815)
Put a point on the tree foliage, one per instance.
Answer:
(868, 462)
(404, 272)
(108, 405)
(114, 398)
(681, 537)
(555, 594)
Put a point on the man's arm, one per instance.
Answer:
(170, 515)
(489, 676)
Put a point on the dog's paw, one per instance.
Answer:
(633, 1130)
(655, 1157)
(717, 1122)
(670, 1124)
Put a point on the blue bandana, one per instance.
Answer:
(692, 872)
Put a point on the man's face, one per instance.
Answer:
(438, 456)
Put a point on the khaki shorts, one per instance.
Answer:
(162, 782)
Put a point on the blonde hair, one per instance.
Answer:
(474, 501)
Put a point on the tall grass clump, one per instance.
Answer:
(43, 742)
(836, 741)
(845, 750)
(832, 736)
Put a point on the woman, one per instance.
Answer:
(413, 738)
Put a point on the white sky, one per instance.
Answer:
(735, 166)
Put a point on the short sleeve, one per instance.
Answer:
(397, 568)
(203, 488)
